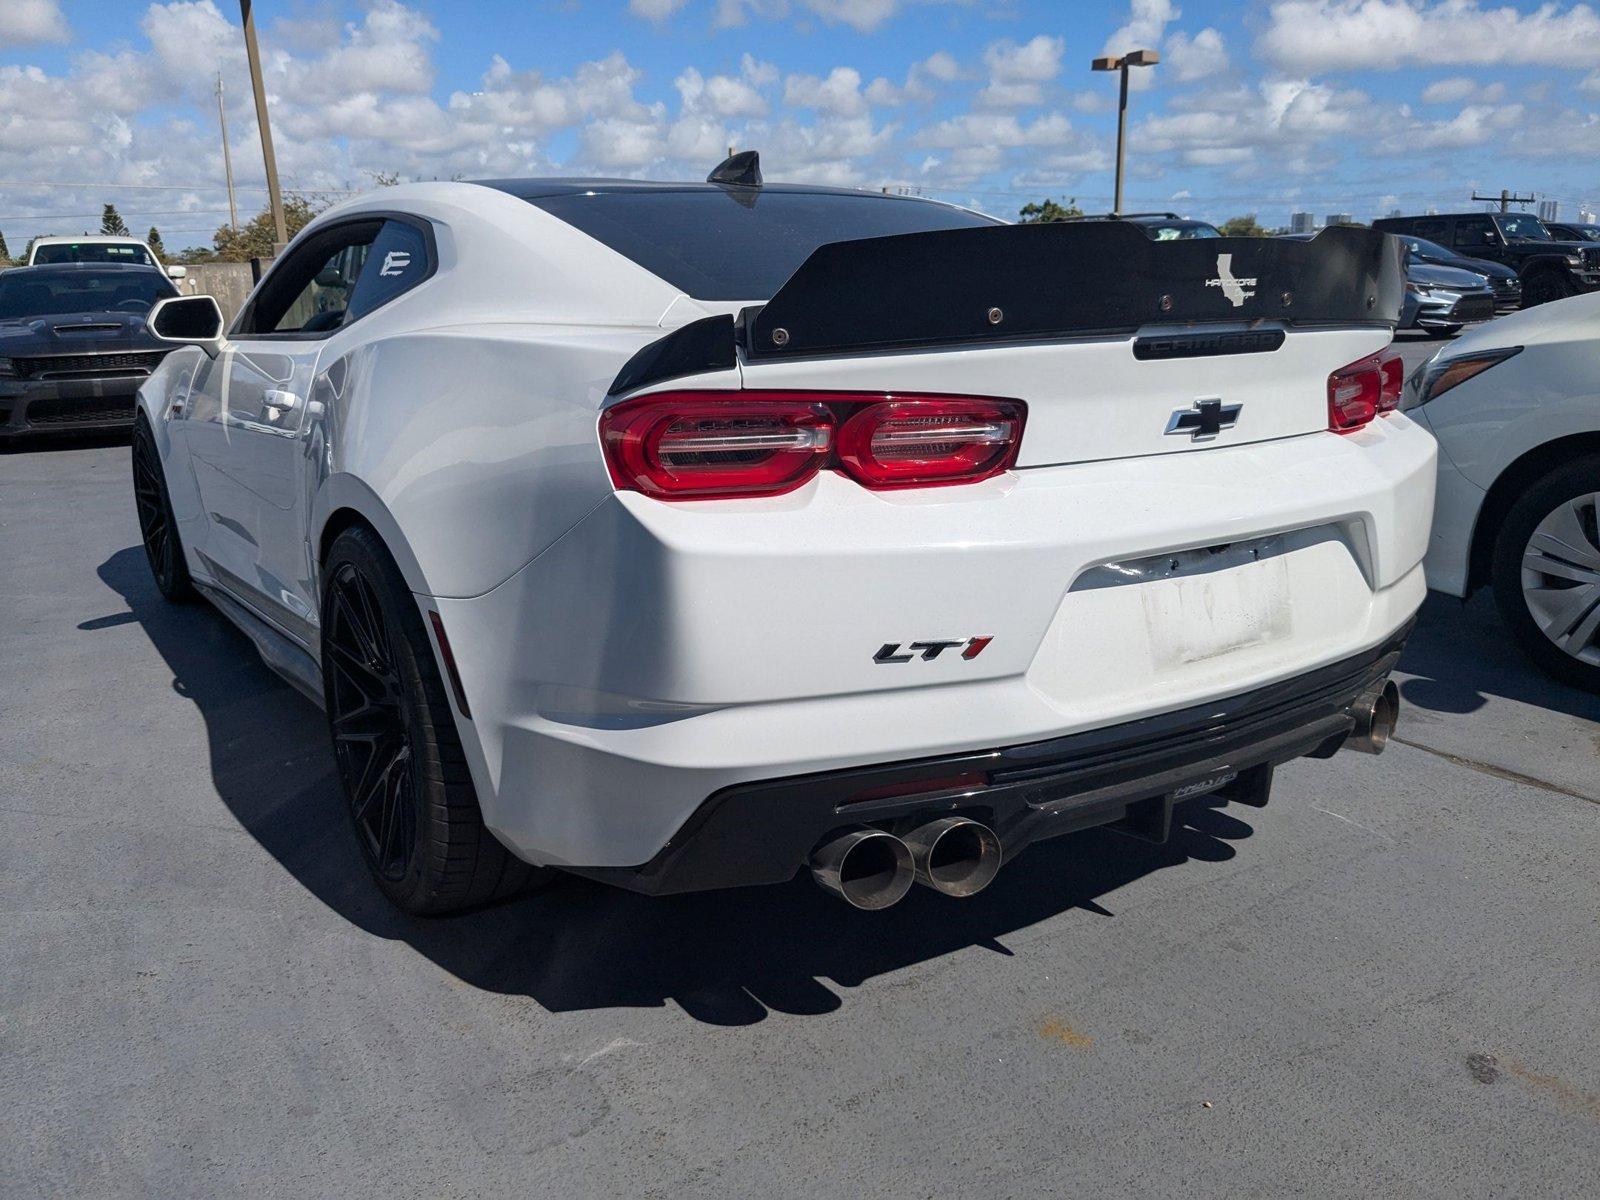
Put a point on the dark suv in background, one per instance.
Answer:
(1507, 284)
(74, 347)
(1568, 232)
(1549, 269)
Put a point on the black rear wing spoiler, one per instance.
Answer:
(1042, 281)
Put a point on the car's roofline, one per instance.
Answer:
(544, 188)
(99, 268)
(51, 239)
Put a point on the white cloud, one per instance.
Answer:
(1200, 57)
(655, 10)
(721, 95)
(1147, 21)
(30, 22)
(923, 80)
(864, 16)
(999, 130)
(1313, 36)
(1449, 91)
(838, 93)
(1017, 74)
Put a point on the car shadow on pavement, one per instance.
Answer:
(726, 958)
(1461, 653)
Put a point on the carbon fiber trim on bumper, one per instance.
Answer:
(764, 832)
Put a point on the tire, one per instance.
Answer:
(1553, 583)
(158, 528)
(1545, 287)
(404, 774)
(1440, 332)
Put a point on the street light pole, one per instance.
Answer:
(274, 197)
(1134, 58)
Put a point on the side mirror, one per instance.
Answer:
(177, 272)
(189, 321)
(330, 277)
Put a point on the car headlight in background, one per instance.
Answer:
(1435, 377)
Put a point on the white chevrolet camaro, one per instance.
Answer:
(689, 536)
(1515, 405)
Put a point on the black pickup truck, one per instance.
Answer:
(1549, 269)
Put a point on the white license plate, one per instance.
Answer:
(1193, 618)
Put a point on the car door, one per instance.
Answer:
(1477, 237)
(247, 417)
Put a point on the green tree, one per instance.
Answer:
(5, 255)
(153, 240)
(255, 237)
(1049, 210)
(111, 222)
(1245, 226)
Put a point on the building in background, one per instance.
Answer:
(1549, 210)
(1338, 219)
(1302, 222)
(1585, 217)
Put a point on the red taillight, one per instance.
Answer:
(704, 445)
(1367, 387)
(918, 443)
(687, 444)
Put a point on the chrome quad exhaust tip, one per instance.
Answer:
(954, 856)
(866, 868)
(1375, 715)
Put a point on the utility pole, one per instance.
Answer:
(227, 159)
(1134, 58)
(1505, 199)
(274, 197)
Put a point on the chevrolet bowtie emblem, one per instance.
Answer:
(1205, 419)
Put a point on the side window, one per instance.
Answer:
(310, 290)
(1474, 232)
(324, 300)
(1433, 231)
(396, 262)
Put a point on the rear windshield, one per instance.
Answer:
(92, 252)
(24, 294)
(1177, 231)
(728, 246)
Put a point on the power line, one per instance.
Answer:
(133, 212)
(175, 187)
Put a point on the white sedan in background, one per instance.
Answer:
(1515, 406)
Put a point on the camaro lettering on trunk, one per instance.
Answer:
(891, 652)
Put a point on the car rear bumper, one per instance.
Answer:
(1125, 775)
(67, 405)
(660, 654)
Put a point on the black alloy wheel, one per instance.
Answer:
(157, 526)
(400, 757)
(371, 726)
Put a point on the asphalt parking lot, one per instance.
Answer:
(1383, 983)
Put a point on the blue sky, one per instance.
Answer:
(1358, 106)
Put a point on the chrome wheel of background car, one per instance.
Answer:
(367, 709)
(157, 527)
(1561, 577)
